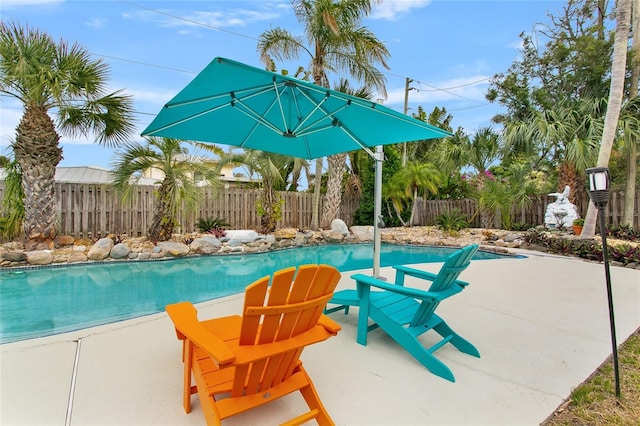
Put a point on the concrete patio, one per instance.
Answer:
(541, 325)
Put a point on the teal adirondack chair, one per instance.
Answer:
(406, 313)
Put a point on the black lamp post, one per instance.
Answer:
(598, 178)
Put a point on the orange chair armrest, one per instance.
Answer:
(185, 320)
(330, 325)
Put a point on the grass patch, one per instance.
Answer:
(594, 402)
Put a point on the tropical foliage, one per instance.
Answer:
(176, 188)
(49, 77)
(12, 209)
(274, 171)
(334, 41)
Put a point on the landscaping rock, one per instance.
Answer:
(333, 236)
(60, 258)
(15, 256)
(205, 245)
(173, 248)
(120, 251)
(77, 257)
(362, 233)
(285, 233)
(300, 240)
(243, 235)
(64, 240)
(101, 249)
(338, 225)
(40, 257)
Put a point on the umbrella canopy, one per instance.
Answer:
(232, 103)
(235, 104)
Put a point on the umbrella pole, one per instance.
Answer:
(377, 211)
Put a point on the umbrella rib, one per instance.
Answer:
(253, 91)
(356, 140)
(279, 101)
(185, 119)
(318, 106)
(194, 101)
(257, 117)
(330, 115)
(405, 118)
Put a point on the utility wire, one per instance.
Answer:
(191, 21)
(188, 20)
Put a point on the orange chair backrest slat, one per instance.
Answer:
(291, 306)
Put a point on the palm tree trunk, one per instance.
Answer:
(37, 151)
(162, 226)
(632, 165)
(413, 206)
(317, 182)
(333, 200)
(616, 92)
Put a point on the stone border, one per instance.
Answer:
(67, 250)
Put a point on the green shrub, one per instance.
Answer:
(586, 249)
(624, 232)
(452, 221)
(625, 254)
(519, 226)
(212, 225)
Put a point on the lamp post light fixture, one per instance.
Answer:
(599, 180)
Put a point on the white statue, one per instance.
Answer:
(561, 213)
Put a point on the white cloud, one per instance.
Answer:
(202, 18)
(390, 9)
(96, 23)
(18, 3)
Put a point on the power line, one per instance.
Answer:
(144, 63)
(191, 21)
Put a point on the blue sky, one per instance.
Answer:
(449, 48)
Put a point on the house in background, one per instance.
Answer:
(100, 176)
(227, 175)
(92, 175)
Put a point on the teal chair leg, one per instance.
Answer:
(411, 344)
(456, 340)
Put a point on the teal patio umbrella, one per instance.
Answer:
(232, 103)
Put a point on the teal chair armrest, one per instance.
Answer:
(366, 282)
(401, 271)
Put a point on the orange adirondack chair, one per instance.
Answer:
(242, 362)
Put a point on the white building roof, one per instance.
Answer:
(86, 174)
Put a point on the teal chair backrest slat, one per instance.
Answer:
(447, 276)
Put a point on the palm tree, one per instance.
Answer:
(46, 76)
(616, 92)
(567, 135)
(396, 192)
(334, 41)
(274, 170)
(337, 163)
(459, 150)
(501, 195)
(426, 149)
(177, 187)
(416, 177)
(630, 134)
(632, 145)
(12, 209)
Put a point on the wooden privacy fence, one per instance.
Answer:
(532, 215)
(90, 210)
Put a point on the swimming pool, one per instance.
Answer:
(40, 302)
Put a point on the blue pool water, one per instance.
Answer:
(46, 301)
